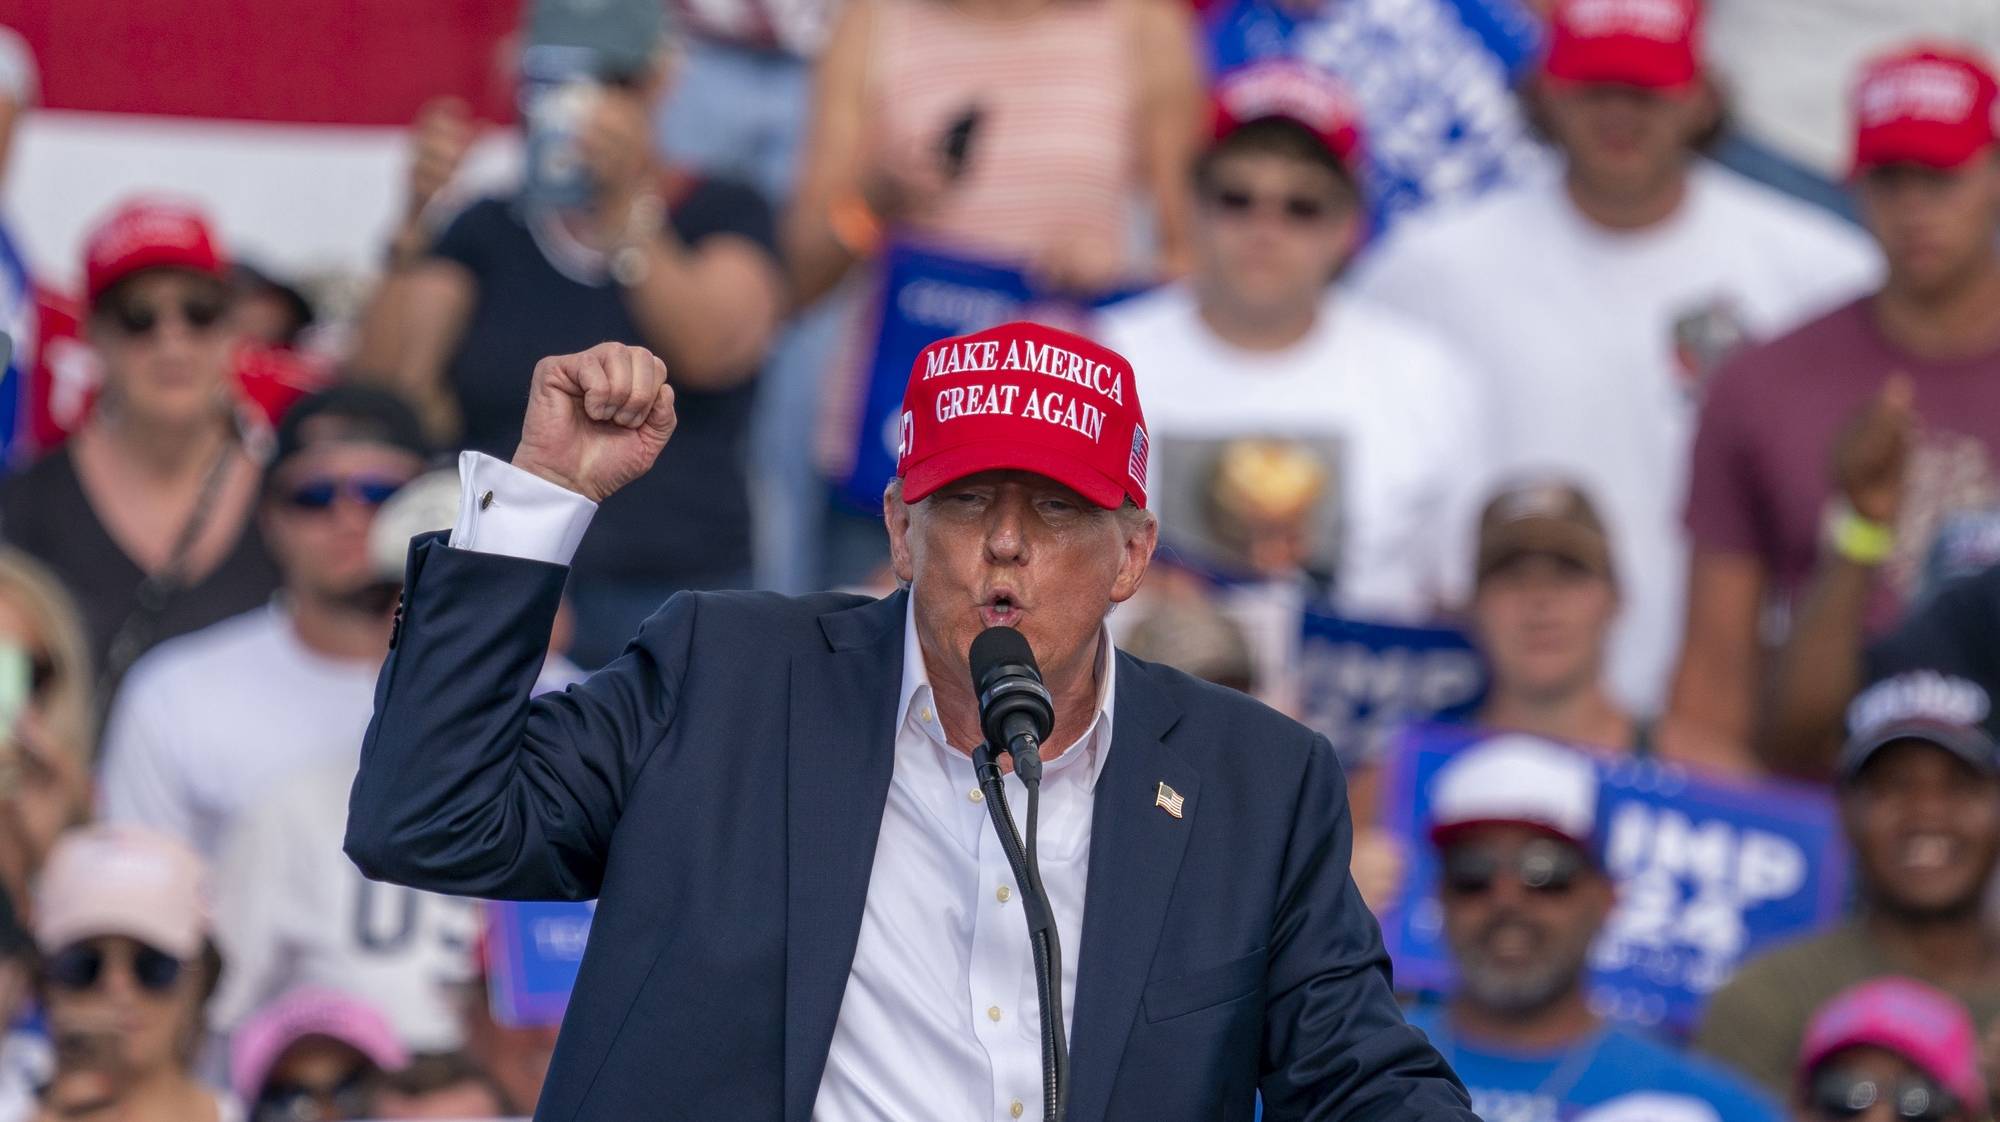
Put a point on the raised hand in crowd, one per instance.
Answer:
(1871, 457)
(615, 146)
(596, 420)
(439, 139)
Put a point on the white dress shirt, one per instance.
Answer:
(940, 1016)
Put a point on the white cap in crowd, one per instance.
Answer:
(1520, 780)
(122, 880)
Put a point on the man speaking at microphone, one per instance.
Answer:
(804, 912)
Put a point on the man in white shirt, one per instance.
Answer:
(1256, 343)
(1597, 303)
(801, 911)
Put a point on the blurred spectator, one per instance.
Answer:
(1542, 610)
(742, 87)
(1254, 344)
(265, 310)
(1899, 392)
(1514, 820)
(623, 249)
(127, 964)
(146, 511)
(1185, 630)
(24, 1053)
(208, 722)
(1006, 131)
(46, 746)
(448, 1085)
(516, 1057)
(1434, 78)
(1891, 1049)
(1919, 797)
(313, 1056)
(1786, 64)
(1599, 301)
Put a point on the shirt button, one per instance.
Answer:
(1014, 1108)
(992, 1012)
(1003, 893)
(975, 795)
(924, 715)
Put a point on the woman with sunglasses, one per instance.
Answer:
(314, 1055)
(1891, 1050)
(127, 967)
(146, 511)
(47, 726)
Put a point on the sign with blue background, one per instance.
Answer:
(1359, 682)
(1708, 873)
(533, 952)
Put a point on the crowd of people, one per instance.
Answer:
(1653, 347)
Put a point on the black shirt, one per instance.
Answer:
(43, 512)
(685, 523)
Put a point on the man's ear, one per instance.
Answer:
(896, 516)
(1139, 542)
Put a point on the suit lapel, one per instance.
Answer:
(841, 753)
(1135, 854)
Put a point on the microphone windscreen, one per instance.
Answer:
(996, 647)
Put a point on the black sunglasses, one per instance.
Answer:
(320, 494)
(1296, 208)
(1840, 1094)
(139, 319)
(351, 1096)
(1541, 866)
(80, 967)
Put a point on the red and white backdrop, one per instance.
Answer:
(284, 117)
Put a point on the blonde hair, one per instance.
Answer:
(68, 712)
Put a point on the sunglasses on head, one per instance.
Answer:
(1840, 1094)
(350, 1096)
(1543, 866)
(138, 318)
(80, 967)
(1300, 209)
(320, 494)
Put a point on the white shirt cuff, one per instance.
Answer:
(514, 513)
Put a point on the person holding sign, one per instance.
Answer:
(1524, 895)
(1920, 798)
(802, 911)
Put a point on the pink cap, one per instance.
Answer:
(122, 880)
(149, 234)
(1933, 106)
(1649, 43)
(1923, 1025)
(270, 1031)
(1296, 92)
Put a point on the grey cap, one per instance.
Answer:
(623, 34)
(1927, 705)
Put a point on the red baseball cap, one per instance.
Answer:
(149, 234)
(1648, 43)
(1933, 106)
(1293, 91)
(1026, 397)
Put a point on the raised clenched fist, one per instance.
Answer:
(596, 420)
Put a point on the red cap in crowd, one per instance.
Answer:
(1933, 106)
(1295, 92)
(1648, 43)
(149, 234)
(1025, 397)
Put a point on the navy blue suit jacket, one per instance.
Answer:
(719, 788)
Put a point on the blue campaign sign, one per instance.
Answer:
(925, 296)
(1708, 873)
(533, 951)
(1360, 681)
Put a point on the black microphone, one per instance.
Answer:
(1015, 710)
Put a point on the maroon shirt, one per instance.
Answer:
(1763, 455)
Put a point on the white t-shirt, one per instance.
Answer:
(1790, 65)
(205, 723)
(1578, 329)
(1399, 404)
(291, 910)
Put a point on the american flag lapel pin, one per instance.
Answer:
(1169, 800)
